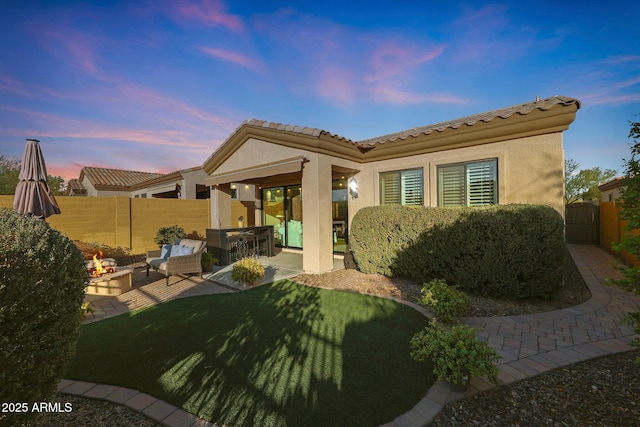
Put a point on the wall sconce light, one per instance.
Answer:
(353, 187)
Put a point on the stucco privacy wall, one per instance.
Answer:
(125, 222)
(613, 229)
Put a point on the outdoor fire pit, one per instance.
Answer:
(107, 278)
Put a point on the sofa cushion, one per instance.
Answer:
(158, 264)
(179, 250)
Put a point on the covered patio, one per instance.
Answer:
(284, 265)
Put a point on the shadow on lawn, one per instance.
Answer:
(270, 356)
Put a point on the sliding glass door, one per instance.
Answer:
(282, 208)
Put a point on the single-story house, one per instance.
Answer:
(309, 183)
(104, 182)
(610, 189)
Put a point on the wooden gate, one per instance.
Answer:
(582, 223)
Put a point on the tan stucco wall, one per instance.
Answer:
(530, 170)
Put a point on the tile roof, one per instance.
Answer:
(290, 128)
(116, 177)
(522, 109)
(609, 185)
(75, 187)
(503, 113)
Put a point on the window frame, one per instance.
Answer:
(401, 190)
(465, 174)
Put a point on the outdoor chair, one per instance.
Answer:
(184, 257)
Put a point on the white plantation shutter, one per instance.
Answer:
(390, 189)
(451, 186)
(412, 187)
(471, 184)
(401, 188)
(482, 183)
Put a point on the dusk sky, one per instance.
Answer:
(158, 85)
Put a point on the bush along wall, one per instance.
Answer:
(501, 251)
(42, 282)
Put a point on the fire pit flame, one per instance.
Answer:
(98, 269)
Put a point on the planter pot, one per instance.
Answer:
(207, 268)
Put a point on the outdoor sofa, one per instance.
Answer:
(183, 257)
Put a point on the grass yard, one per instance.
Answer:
(281, 354)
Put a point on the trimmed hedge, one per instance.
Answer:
(501, 251)
(42, 283)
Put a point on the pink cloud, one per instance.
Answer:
(387, 94)
(9, 84)
(75, 47)
(209, 12)
(236, 58)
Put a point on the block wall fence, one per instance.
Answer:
(125, 222)
(612, 229)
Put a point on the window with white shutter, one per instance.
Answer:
(470, 184)
(401, 187)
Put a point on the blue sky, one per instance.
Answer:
(157, 85)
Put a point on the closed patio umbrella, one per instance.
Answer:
(33, 196)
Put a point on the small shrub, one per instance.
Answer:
(446, 303)
(247, 270)
(169, 235)
(42, 283)
(208, 260)
(456, 353)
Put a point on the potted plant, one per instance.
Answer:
(456, 353)
(240, 221)
(247, 271)
(207, 261)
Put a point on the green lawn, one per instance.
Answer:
(281, 354)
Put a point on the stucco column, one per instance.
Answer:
(317, 226)
(221, 206)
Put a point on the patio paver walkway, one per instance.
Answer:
(530, 345)
(533, 344)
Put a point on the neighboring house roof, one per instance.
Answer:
(610, 185)
(532, 118)
(115, 179)
(75, 187)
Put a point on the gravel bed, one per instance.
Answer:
(597, 392)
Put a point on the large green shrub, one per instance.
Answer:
(169, 235)
(42, 282)
(507, 251)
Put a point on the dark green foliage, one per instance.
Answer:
(506, 251)
(630, 211)
(445, 302)
(456, 353)
(168, 235)
(42, 282)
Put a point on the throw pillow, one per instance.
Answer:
(178, 250)
(166, 251)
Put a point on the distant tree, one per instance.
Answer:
(584, 184)
(9, 177)
(9, 171)
(56, 184)
(629, 203)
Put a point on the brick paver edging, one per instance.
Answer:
(156, 409)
